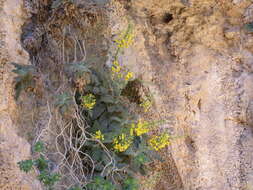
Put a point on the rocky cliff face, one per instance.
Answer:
(12, 147)
(196, 59)
(198, 56)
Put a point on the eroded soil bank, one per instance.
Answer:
(194, 55)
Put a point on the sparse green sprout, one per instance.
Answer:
(88, 101)
(24, 79)
(249, 26)
(45, 176)
(63, 100)
(39, 147)
(141, 159)
(41, 163)
(131, 184)
(48, 179)
(25, 165)
(101, 184)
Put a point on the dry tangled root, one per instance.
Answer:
(74, 165)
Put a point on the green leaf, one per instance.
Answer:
(103, 120)
(25, 165)
(105, 158)
(116, 108)
(98, 110)
(99, 183)
(94, 80)
(18, 89)
(103, 91)
(137, 142)
(249, 27)
(96, 90)
(96, 154)
(109, 136)
(63, 100)
(130, 152)
(49, 179)
(115, 118)
(131, 184)
(39, 147)
(108, 99)
(114, 127)
(99, 167)
(142, 158)
(24, 79)
(41, 163)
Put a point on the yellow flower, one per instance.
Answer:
(115, 62)
(125, 41)
(141, 128)
(146, 104)
(99, 135)
(116, 69)
(159, 142)
(122, 143)
(129, 76)
(88, 101)
(132, 129)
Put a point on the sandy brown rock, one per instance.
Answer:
(12, 147)
(200, 64)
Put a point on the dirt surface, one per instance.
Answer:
(197, 55)
(12, 147)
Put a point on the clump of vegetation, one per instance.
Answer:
(249, 27)
(63, 102)
(115, 143)
(121, 146)
(48, 178)
(24, 79)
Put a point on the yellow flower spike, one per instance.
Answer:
(159, 142)
(99, 135)
(116, 69)
(141, 128)
(146, 105)
(132, 129)
(88, 101)
(128, 76)
(125, 41)
(115, 62)
(121, 143)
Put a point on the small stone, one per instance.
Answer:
(232, 33)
